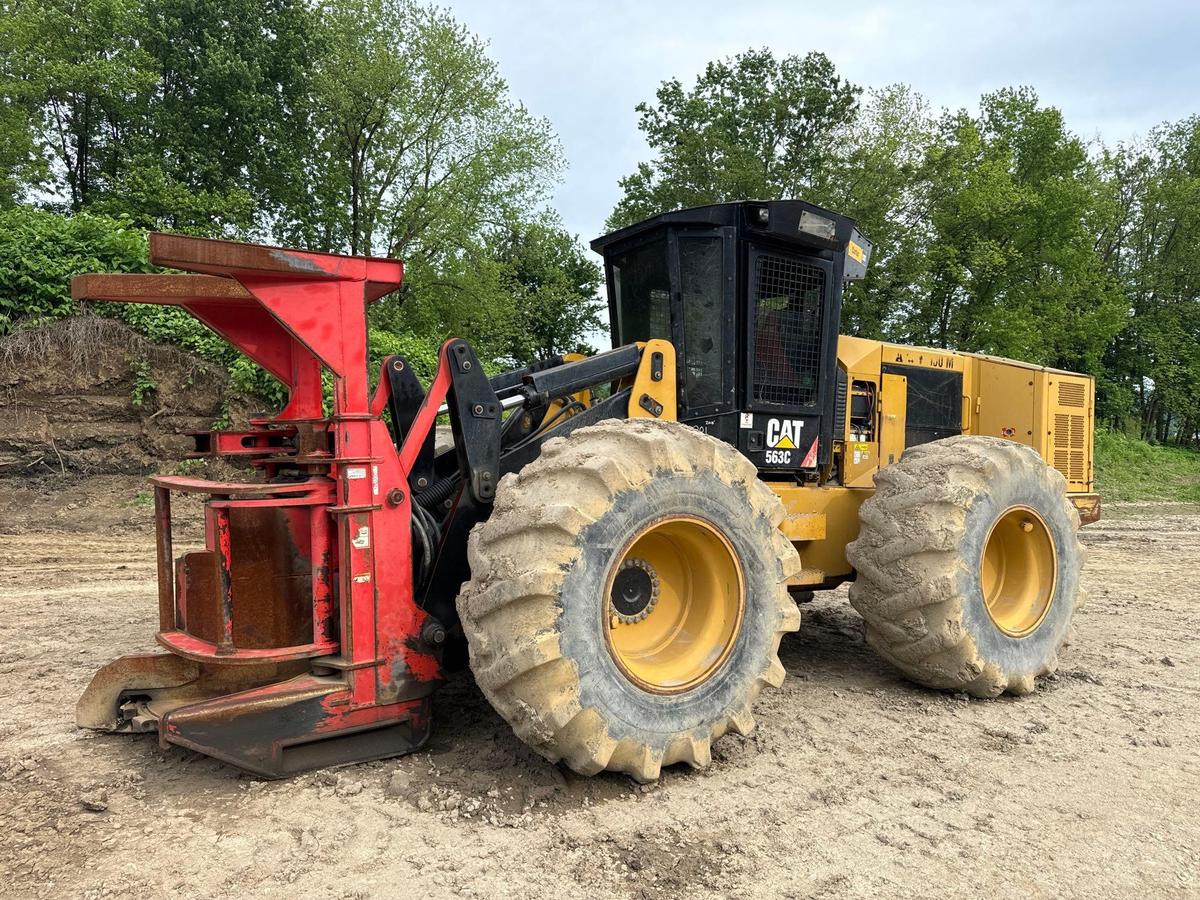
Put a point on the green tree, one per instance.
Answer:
(183, 114)
(369, 126)
(74, 68)
(420, 145)
(1151, 241)
(752, 126)
(23, 160)
(875, 178)
(554, 286)
(1011, 201)
(219, 145)
(422, 154)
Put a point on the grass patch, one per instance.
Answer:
(1129, 469)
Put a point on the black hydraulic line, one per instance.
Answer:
(432, 528)
(540, 434)
(423, 538)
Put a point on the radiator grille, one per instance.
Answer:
(787, 295)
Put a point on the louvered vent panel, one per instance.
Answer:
(1076, 432)
(1069, 452)
(1071, 394)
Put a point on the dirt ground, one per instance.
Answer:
(855, 783)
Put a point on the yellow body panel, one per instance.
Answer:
(660, 390)
(1047, 409)
(829, 516)
(893, 410)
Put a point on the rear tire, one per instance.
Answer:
(601, 679)
(967, 565)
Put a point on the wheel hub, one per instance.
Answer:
(634, 591)
(676, 598)
(1018, 571)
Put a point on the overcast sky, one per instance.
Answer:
(1114, 68)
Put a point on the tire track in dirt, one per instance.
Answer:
(855, 784)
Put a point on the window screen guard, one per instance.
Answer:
(934, 403)
(788, 299)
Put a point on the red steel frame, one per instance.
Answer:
(297, 314)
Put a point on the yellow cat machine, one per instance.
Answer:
(615, 544)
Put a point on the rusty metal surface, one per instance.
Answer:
(99, 705)
(164, 556)
(167, 289)
(255, 442)
(230, 488)
(1088, 506)
(199, 595)
(195, 254)
(253, 593)
(165, 681)
(270, 578)
(291, 726)
(206, 653)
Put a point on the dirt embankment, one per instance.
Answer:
(87, 395)
(856, 783)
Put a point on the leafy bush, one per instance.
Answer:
(422, 353)
(40, 252)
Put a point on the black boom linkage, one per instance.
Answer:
(453, 490)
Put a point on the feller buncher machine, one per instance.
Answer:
(615, 543)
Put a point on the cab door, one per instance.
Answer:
(702, 267)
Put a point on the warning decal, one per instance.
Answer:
(810, 458)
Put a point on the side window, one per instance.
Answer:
(642, 290)
(701, 286)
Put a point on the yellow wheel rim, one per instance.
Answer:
(1018, 571)
(674, 603)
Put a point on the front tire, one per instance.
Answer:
(627, 597)
(967, 565)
